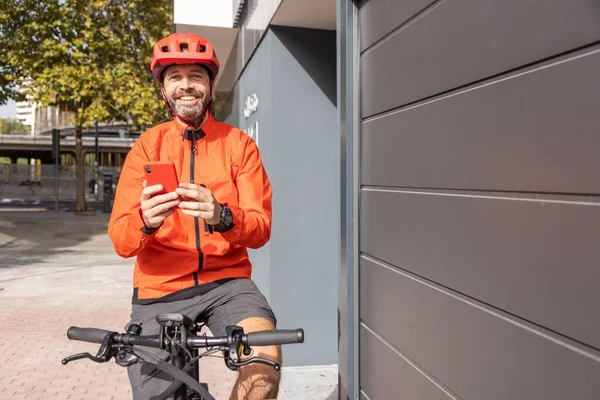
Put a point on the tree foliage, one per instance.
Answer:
(12, 126)
(90, 55)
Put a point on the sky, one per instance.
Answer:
(9, 110)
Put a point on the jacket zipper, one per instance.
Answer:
(196, 224)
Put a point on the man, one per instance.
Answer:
(191, 244)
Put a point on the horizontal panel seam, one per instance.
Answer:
(481, 196)
(494, 311)
(571, 55)
(420, 14)
(412, 363)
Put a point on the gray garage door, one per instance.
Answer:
(479, 209)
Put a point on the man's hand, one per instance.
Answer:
(198, 201)
(156, 209)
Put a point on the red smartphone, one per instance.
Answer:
(162, 173)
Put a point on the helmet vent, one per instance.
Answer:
(165, 49)
(202, 48)
(183, 47)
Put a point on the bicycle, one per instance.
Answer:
(179, 337)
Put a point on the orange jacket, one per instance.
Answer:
(228, 163)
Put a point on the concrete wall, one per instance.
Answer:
(293, 76)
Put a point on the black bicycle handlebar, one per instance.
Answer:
(262, 338)
(269, 338)
(231, 345)
(92, 335)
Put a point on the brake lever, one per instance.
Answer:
(234, 348)
(80, 356)
(105, 352)
(235, 365)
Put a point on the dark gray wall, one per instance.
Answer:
(293, 74)
(256, 79)
(479, 201)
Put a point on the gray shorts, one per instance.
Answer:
(228, 304)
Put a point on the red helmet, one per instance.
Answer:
(183, 48)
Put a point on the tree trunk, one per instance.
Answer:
(80, 171)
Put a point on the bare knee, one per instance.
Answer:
(259, 380)
(256, 380)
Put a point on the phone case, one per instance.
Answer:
(163, 173)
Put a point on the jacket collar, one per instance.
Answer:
(207, 127)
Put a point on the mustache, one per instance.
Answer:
(190, 92)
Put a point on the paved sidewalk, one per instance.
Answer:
(58, 270)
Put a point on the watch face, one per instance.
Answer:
(227, 216)
(226, 222)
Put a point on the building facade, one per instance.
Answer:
(435, 172)
(25, 113)
(472, 212)
(50, 117)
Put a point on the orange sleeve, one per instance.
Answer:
(252, 218)
(126, 223)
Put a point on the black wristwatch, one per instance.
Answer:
(226, 222)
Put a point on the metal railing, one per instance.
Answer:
(19, 182)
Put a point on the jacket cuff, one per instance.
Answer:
(146, 230)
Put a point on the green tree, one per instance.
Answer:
(91, 55)
(12, 126)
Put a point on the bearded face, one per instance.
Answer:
(187, 90)
(188, 104)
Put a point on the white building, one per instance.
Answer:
(26, 113)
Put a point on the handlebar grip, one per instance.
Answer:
(92, 335)
(279, 336)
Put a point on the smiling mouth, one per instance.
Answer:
(187, 98)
